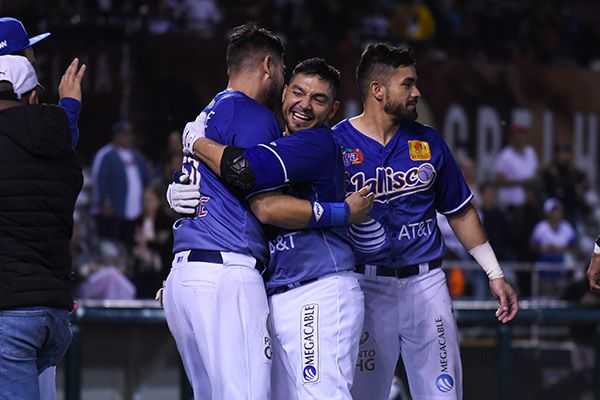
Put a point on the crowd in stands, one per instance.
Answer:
(526, 31)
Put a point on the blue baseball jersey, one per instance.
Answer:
(412, 177)
(310, 161)
(223, 220)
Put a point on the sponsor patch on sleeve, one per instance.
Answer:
(352, 156)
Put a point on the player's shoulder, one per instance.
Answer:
(321, 135)
(425, 131)
(237, 102)
(342, 128)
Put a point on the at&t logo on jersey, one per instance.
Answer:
(309, 322)
(388, 184)
(352, 156)
(367, 237)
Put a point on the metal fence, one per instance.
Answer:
(468, 313)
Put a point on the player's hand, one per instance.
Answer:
(192, 132)
(183, 196)
(70, 83)
(360, 204)
(507, 299)
(593, 273)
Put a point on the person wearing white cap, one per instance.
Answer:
(40, 181)
(552, 238)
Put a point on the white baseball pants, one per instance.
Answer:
(217, 314)
(412, 316)
(315, 331)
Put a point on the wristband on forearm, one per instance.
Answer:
(484, 255)
(329, 214)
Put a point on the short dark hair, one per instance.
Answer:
(377, 60)
(320, 67)
(248, 42)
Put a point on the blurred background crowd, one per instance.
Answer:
(154, 64)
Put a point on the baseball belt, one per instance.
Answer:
(215, 257)
(401, 272)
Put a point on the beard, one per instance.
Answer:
(273, 101)
(399, 112)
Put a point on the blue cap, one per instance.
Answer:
(13, 36)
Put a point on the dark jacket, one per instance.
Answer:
(40, 178)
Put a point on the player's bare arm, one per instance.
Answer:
(468, 229)
(288, 212)
(593, 271)
(210, 153)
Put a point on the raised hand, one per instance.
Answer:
(70, 83)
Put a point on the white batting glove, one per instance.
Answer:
(183, 196)
(192, 132)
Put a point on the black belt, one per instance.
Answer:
(215, 257)
(290, 286)
(401, 272)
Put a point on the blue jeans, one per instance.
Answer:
(31, 340)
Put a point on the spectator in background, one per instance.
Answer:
(41, 178)
(120, 175)
(553, 239)
(566, 183)
(515, 171)
(107, 279)
(199, 16)
(153, 243)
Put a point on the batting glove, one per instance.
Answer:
(183, 196)
(192, 132)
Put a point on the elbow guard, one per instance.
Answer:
(235, 168)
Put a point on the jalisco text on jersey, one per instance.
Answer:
(388, 184)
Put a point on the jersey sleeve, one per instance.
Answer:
(301, 157)
(72, 107)
(452, 193)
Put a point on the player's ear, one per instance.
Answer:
(376, 89)
(32, 97)
(267, 65)
(334, 108)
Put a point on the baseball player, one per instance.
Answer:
(593, 272)
(214, 298)
(399, 251)
(315, 300)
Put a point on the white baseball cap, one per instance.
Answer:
(550, 204)
(18, 71)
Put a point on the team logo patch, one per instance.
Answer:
(444, 383)
(352, 156)
(309, 334)
(418, 150)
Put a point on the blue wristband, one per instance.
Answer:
(329, 214)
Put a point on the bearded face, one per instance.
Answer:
(401, 94)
